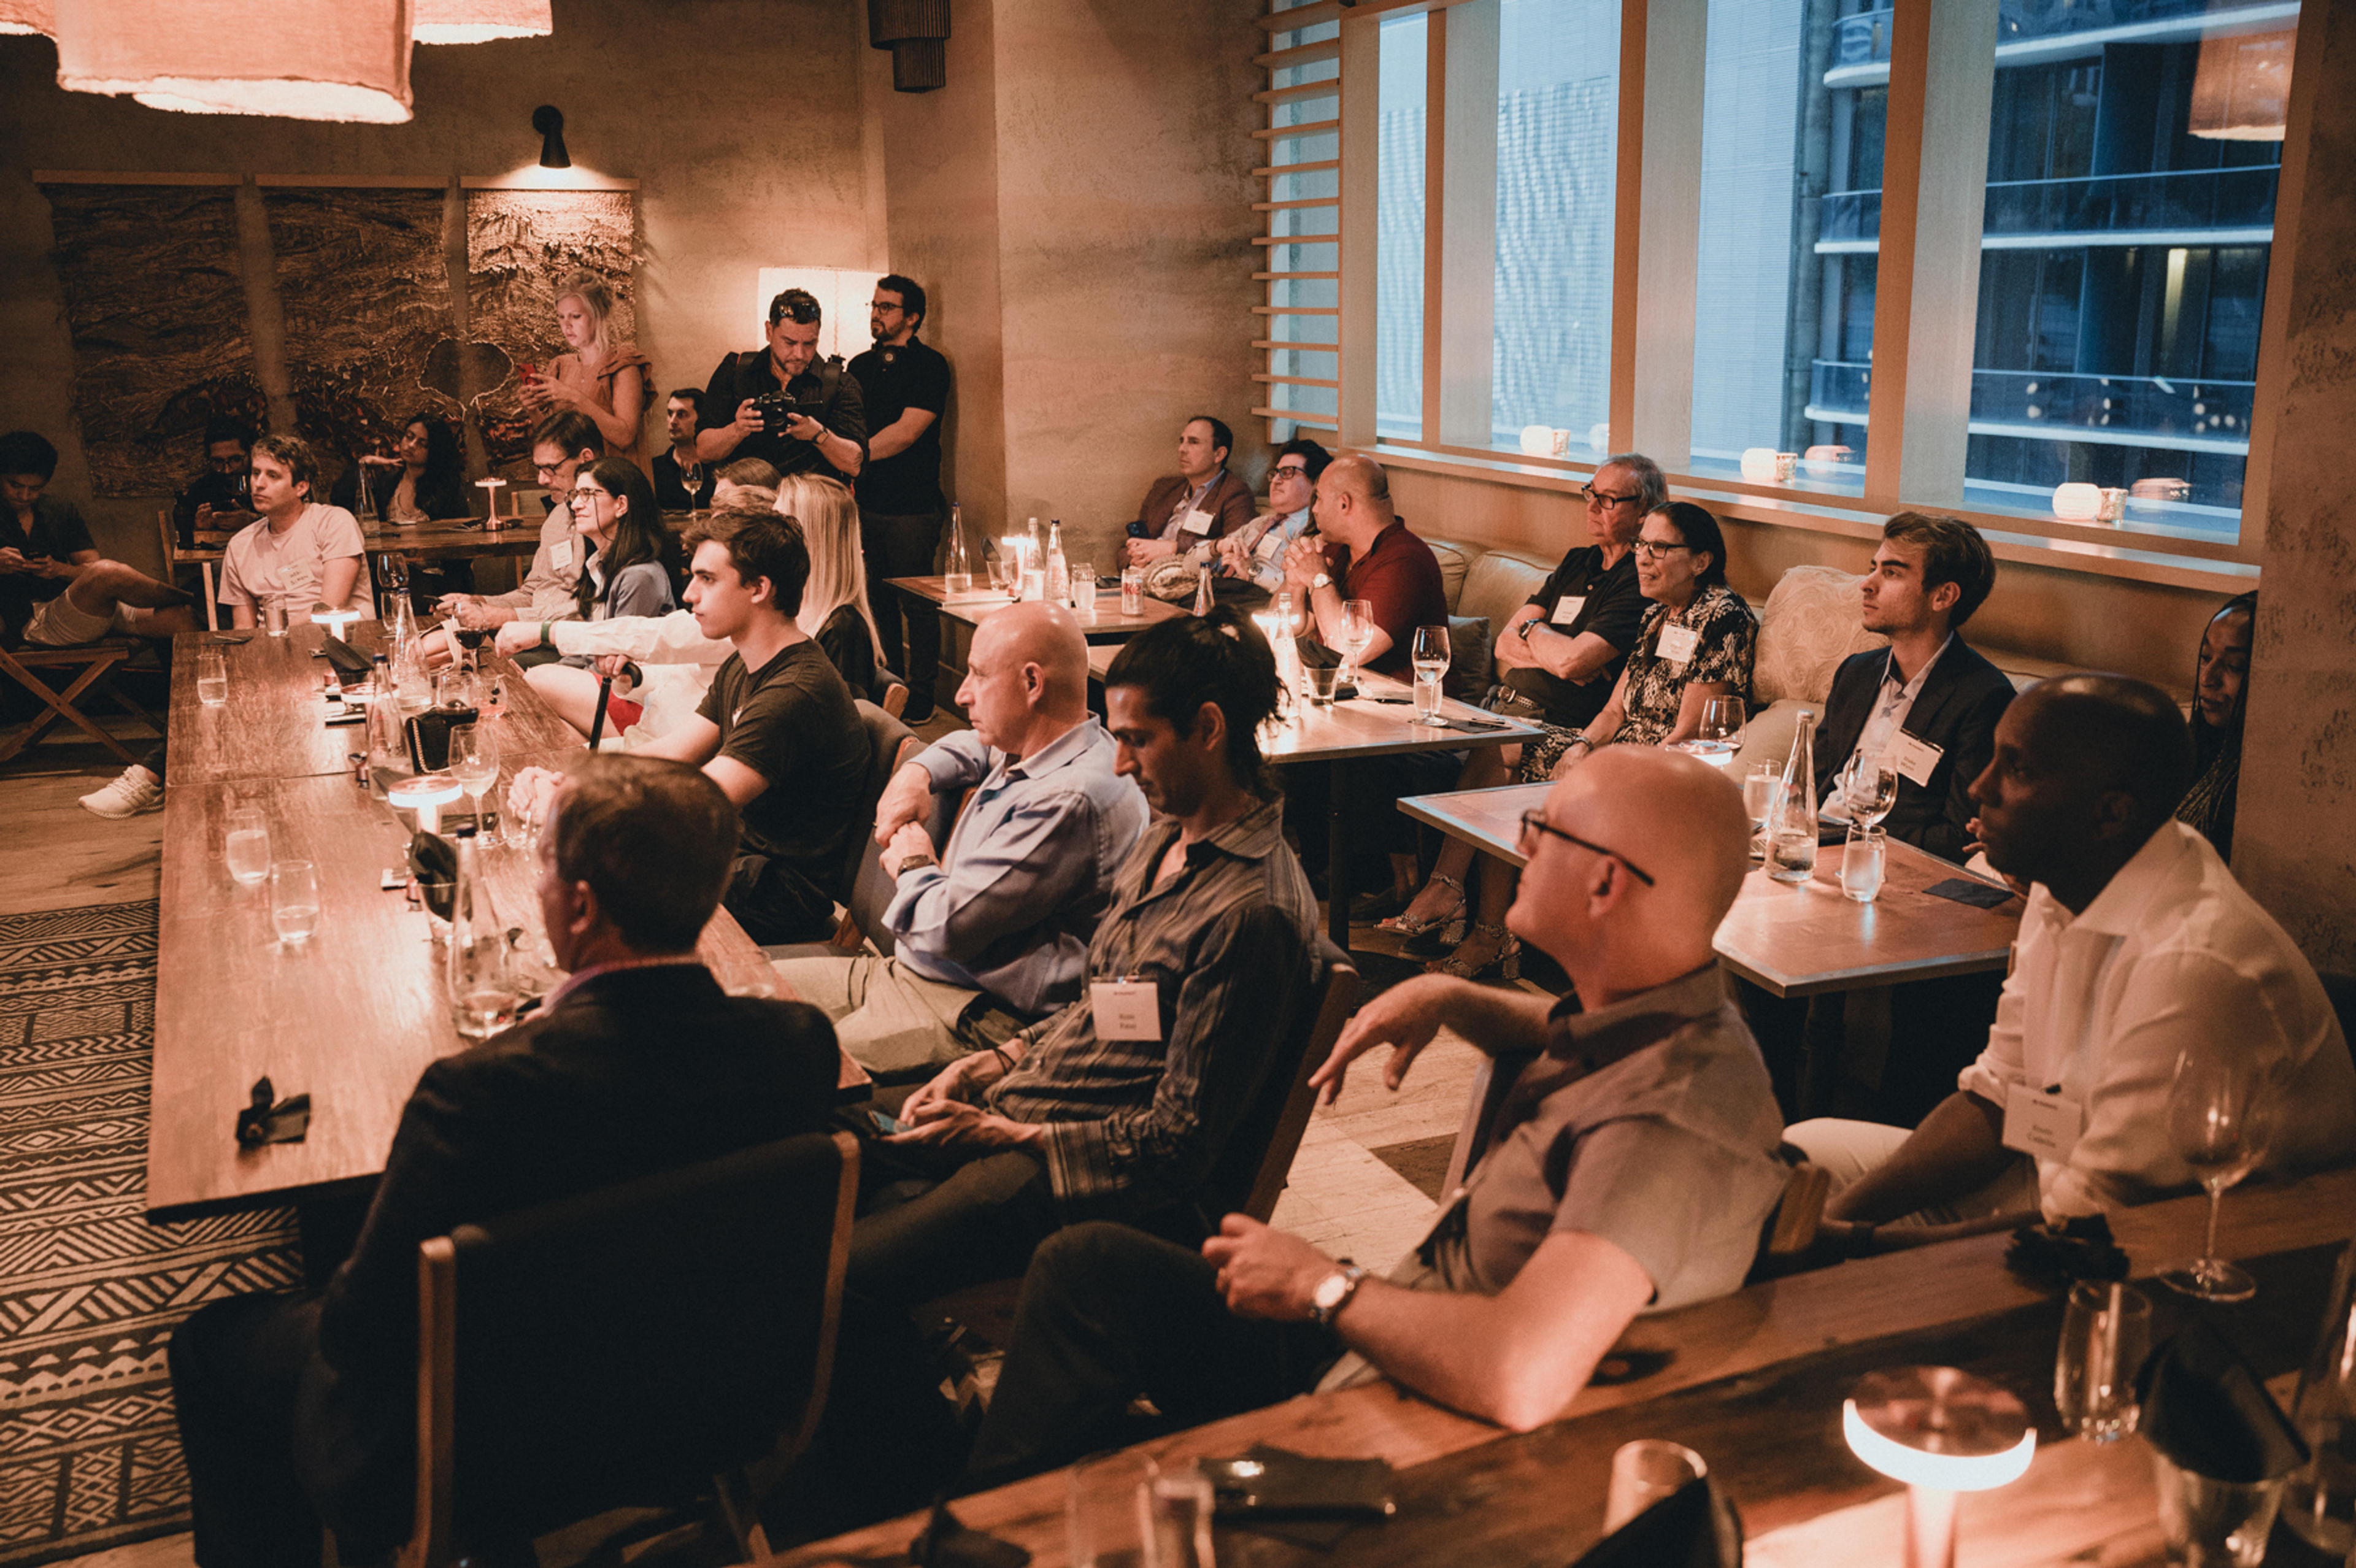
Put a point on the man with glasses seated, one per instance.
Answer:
(561, 445)
(1254, 554)
(1630, 1170)
(218, 498)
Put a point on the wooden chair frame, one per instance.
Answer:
(1338, 999)
(202, 559)
(97, 662)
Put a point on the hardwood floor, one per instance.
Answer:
(59, 856)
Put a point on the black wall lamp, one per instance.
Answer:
(917, 33)
(548, 121)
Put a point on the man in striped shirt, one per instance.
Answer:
(1117, 1106)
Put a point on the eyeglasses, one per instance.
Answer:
(585, 495)
(229, 464)
(1536, 822)
(1295, 471)
(1606, 498)
(1653, 550)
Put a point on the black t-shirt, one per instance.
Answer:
(672, 493)
(58, 533)
(893, 378)
(849, 649)
(1613, 609)
(743, 376)
(792, 721)
(221, 492)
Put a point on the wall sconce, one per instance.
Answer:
(916, 32)
(1940, 1431)
(548, 121)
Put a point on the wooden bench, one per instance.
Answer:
(97, 663)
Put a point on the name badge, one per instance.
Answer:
(1914, 758)
(1567, 609)
(1125, 1009)
(1197, 521)
(1676, 643)
(560, 554)
(1269, 543)
(2044, 1126)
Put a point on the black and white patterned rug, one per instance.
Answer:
(89, 1290)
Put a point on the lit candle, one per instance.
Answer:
(490, 488)
(336, 621)
(1939, 1431)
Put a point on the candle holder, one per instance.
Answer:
(1942, 1431)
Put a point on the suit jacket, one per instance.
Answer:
(1957, 711)
(1229, 504)
(638, 1071)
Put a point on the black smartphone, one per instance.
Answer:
(885, 1124)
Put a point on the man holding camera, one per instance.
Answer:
(787, 406)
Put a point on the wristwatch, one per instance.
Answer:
(1334, 1293)
(1322, 580)
(1529, 626)
(911, 862)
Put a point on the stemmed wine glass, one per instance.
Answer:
(2220, 1116)
(1718, 734)
(475, 763)
(1429, 657)
(1869, 789)
(1357, 631)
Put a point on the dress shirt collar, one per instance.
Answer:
(581, 977)
(1598, 1039)
(1062, 752)
(2136, 891)
(1254, 836)
(1909, 690)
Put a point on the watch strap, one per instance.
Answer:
(1352, 1277)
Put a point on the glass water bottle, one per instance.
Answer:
(1792, 832)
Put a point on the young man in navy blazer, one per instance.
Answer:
(1927, 705)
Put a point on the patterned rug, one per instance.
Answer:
(88, 1289)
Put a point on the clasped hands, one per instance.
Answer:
(947, 1113)
(15, 561)
(901, 813)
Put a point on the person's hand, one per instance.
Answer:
(1304, 557)
(616, 669)
(533, 788)
(908, 798)
(1404, 1017)
(1235, 555)
(476, 616)
(203, 519)
(958, 1124)
(912, 839)
(12, 559)
(50, 566)
(748, 419)
(1145, 553)
(801, 427)
(962, 1082)
(515, 638)
(1265, 1272)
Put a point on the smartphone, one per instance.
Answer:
(885, 1124)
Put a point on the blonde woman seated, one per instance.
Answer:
(1695, 643)
(834, 611)
(597, 377)
(626, 574)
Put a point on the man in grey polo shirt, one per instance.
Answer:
(1630, 1170)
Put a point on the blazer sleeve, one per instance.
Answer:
(1969, 744)
(1235, 508)
(1846, 706)
(1153, 512)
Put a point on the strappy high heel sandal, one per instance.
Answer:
(1406, 925)
(1504, 961)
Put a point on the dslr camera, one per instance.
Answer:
(775, 406)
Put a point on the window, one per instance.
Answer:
(1299, 339)
(1399, 229)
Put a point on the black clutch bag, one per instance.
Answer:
(429, 737)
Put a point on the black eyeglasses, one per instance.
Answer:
(1536, 822)
(1653, 550)
(1606, 498)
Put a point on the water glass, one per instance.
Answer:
(1175, 1518)
(2209, 1523)
(2105, 1334)
(1100, 1508)
(1645, 1472)
(212, 677)
(273, 616)
(1132, 591)
(1084, 590)
(2320, 1500)
(1757, 798)
(294, 900)
(247, 846)
(1428, 657)
(1862, 863)
(1323, 681)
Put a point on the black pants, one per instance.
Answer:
(237, 1366)
(775, 904)
(1109, 1313)
(903, 545)
(932, 1223)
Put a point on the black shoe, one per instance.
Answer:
(916, 713)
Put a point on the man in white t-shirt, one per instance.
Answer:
(300, 553)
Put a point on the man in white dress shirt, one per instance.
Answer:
(2137, 946)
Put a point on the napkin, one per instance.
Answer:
(434, 862)
(1695, 1527)
(2058, 1256)
(2206, 1410)
(1966, 891)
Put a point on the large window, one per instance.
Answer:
(2114, 209)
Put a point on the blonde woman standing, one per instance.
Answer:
(834, 610)
(597, 377)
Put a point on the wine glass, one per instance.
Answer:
(475, 763)
(1429, 657)
(1714, 738)
(1357, 631)
(1869, 789)
(2220, 1113)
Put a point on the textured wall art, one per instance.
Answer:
(161, 290)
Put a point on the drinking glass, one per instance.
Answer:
(1174, 1517)
(248, 847)
(2219, 1112)
(998, 566)
(2209, 1523)
(1429, 657)
(1645, 1472)
(212, 677)
(2105, 1334)
(1132, 591)
(1084, 590)
(1791, 834)
(1357, 631)
(1758, 797)
(294, 900)
(273, 616)
(484, 992)
(475, 763)
(1716, 739)
(1869, 789)
(1323, 681)
(1100, 1508)
(1863, 860)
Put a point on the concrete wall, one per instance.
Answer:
(742, 118)
(2295, 836)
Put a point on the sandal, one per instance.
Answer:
(1503, 962)
(1404, 924)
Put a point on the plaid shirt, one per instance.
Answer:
(1228, 941)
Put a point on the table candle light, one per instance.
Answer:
(1940, 1431)
(338, 622)
(425, 795)
(490, 488)
(2077, 503)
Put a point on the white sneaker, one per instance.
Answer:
(136, 791)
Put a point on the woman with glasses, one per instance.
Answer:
(1695, 642)
(629, 569)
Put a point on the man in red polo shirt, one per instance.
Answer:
(1362, 551)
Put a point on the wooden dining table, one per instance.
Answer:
(1754, 1382)
(1800, 940)
(975, 607)
(457, 538)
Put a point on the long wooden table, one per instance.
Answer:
(275, 724)
(1795, 941)
(1754, 1382)
(454, 539)
(1109, 626)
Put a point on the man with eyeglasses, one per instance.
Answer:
(1254, 553)
(218, 498)
(561, 445)
(1560, 653)
(1630, 1170)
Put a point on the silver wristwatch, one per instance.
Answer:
(1334, 1293)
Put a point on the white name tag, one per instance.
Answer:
(1567, 609)
(1269, 543)
(1914, 757)
(560, 554)
(2044, 1126)
(1125, 1009)
(1676, 643)
(1196, 522)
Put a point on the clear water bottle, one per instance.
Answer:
(2319, 1500)
(1792, 829)
(1202, 589)
(957, 565)
(1059, 570)
(482, 1000)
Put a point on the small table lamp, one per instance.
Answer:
(426, 795)
(1940, 1431)
(490, 489)
(338, 622)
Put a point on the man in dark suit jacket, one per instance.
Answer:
(1926, 707)
(1200, 502)
(295, 1409)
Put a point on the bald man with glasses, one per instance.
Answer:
(1629, 1171)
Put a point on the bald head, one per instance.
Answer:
(1035, 631)
(1354, 500)
(1026, 676)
